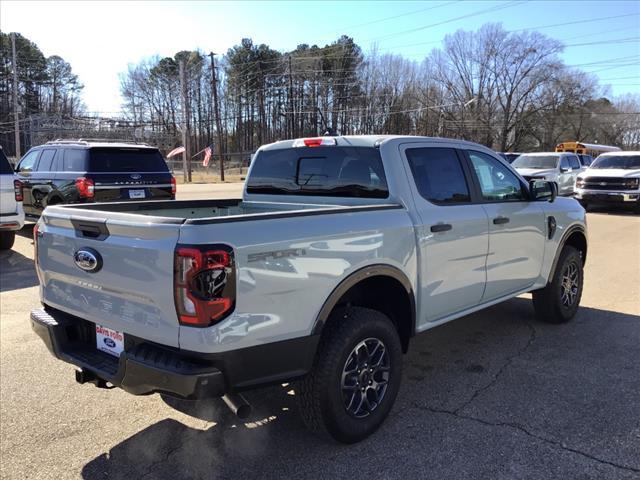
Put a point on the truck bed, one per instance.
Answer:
(184, 210)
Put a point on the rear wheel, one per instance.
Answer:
(558, 302)
(355, 377)
(6, 240)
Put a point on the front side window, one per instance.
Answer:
(28, 162)
(574, 162)
(497, 182)
(438, 175)
(329, 171)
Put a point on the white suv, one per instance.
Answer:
(11, 214)
(561, 168)
(613, 177)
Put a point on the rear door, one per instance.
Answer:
(124, 174)
(566, 178)
(130, 291)
(516, 227)
(41, 180)
(452, 233)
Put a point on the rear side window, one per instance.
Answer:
(74, 160)
(438, 175)
(126, 160)
(322, 171)
(5, 166)
(46, 159)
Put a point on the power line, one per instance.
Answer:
(455, 19)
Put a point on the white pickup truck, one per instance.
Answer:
(340, 251)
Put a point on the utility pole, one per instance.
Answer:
(216, 110)
(186, 134)
(292, 118)
(14, 64)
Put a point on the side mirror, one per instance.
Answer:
(543, 190)
(564, 170)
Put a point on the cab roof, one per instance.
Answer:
(365, 140)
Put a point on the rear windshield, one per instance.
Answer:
(536, 161)
(126, 160)
(323, 171)
(5, 166)
(626, 162)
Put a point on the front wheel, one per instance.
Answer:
(558, 302)
(7, 239)
(355, 376)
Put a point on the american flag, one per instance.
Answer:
(207, 156)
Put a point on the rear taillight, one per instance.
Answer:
(85, 187)
(204, 284)
(173, 186)
(17, 190)
(35, 243)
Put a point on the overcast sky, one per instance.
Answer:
(100, 39)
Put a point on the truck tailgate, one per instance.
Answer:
(131, 289)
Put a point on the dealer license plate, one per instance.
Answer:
(109, 341)
(136, 193)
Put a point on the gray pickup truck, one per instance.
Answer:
(340, 251)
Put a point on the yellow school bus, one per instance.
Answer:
(592, 149)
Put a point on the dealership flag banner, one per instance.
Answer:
(175, 151)
(207, 156)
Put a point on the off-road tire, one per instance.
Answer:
(548, 302)
(320, 392)
(7, 239)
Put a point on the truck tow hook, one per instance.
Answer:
(85, 376)
(238, 405)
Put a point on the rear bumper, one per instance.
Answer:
(11, 221)
(145, 368)
(605, 196)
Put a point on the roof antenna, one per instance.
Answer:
(328, 131)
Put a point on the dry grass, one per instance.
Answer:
(201, 177)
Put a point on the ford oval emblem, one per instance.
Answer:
(109, 343)
(136, 176)
(88, 259)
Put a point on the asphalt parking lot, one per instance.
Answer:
(493, 395)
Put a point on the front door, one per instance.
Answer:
(25, 171)
(517, 227)
(452, 233)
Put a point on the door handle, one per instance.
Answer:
(500, 220)
(441, 227)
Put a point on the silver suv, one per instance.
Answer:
(561, 168)
(11, 213)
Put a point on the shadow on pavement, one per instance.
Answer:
(27, 230)
(16, 271)
(617, 210)
(500, 366)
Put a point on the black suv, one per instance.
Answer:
(70, 171)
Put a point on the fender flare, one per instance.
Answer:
(563, 240)
(370, 271)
